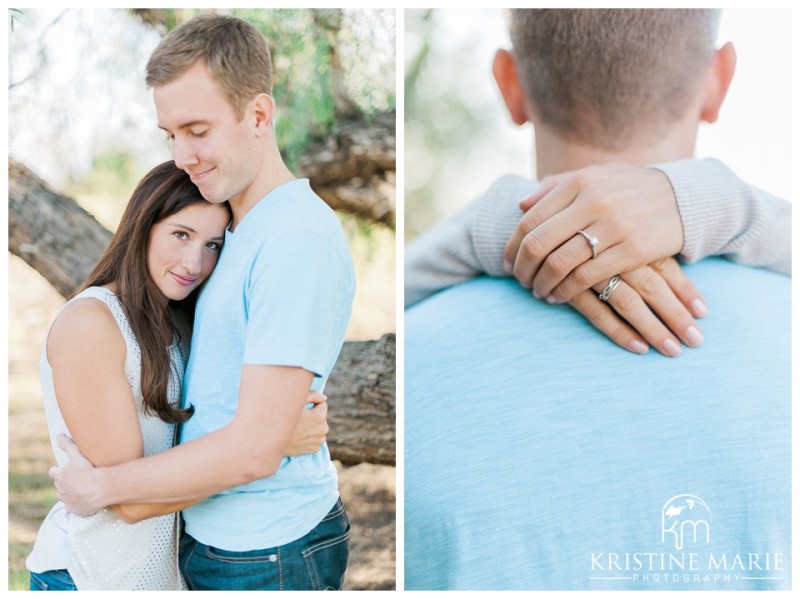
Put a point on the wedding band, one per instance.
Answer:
(592, 241)
(612, 285)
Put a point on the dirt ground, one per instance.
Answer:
(368, 491)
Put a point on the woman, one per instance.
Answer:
(111, 375)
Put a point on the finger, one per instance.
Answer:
(682, 286)
(630, 306)
(539, 244)
(546, 185)
(605, 320)
(70, 448)
(315, 397)
(561, 265)
(54, 472)
(655, 291)
(592, 271)
(65, 443)
(553, 203)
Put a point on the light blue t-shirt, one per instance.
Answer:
(281, 294)
(539, 455)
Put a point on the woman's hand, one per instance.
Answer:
(312, 427)
(631, 211)
(645, 307)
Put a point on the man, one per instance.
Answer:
(536, 456)
(701, 209)
(269, 325)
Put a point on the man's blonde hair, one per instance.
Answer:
(603, 76)
(234, 50)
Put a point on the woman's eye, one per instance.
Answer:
(199, 133)
(214, 246)
(182, 235)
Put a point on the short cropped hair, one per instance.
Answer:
(604, 77)
(234, 50)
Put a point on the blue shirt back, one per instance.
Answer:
(539, 455)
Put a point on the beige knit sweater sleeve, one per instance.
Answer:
(724, 216)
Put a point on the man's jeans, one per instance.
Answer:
(52, 580)
(316, 561)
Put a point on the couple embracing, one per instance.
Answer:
(168, 390)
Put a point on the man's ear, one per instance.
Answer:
(505, 73)
(263, 109)
(718, 81)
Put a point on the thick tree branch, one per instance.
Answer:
(353, 167)
(50, 232)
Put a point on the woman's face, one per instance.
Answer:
(184, 247)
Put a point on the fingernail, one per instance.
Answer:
(672, 348)
(638, 347)
(700, 309)
(551, 299)
(694, 336)
(536, 294)
(507, 266)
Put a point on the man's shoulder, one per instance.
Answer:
(295, 208)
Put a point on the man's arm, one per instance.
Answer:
(248, 448)
(307, 438)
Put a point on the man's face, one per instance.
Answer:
(207, 138)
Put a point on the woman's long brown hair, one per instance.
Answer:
(162, 192)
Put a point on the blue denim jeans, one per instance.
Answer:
(316, 561)
(52, 580)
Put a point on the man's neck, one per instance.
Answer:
(272, 173)
(557, 155)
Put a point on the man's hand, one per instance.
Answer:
(312, 428)
(74, 480)
(631, 211)
(647, 305)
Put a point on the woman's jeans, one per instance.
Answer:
(316, 561)
(52, 580)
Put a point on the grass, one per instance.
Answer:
(18, 578)
(30, 497)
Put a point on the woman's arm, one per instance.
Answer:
(441, 257)
(471, 243)
(87, 352)
(724, 216)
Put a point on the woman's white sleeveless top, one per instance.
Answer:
(100, 551)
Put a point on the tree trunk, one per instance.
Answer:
(361, 392)
(63, 242)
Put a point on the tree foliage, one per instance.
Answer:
(319, 58)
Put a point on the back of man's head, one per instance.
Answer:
(603, 77)
(234, 50)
